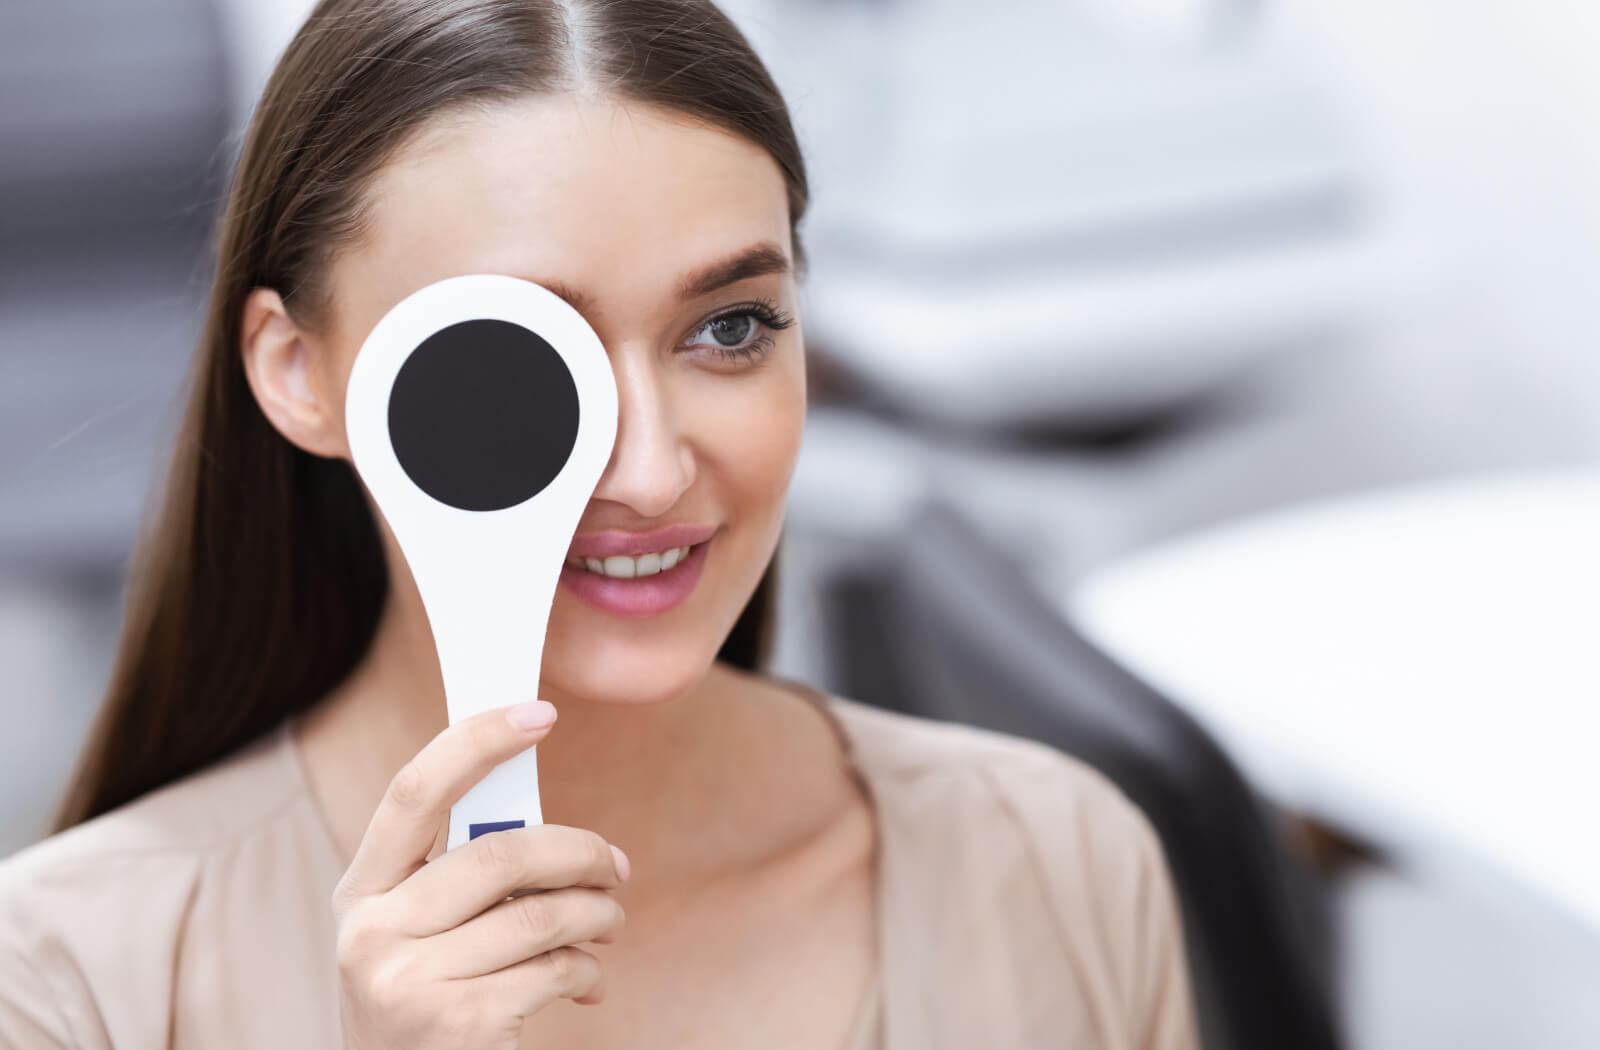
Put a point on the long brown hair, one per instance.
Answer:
(259, 585)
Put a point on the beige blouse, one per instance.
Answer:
(1023, 902)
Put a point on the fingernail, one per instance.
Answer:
(623, 867)
(535, 714)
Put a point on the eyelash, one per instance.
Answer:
(766, 312)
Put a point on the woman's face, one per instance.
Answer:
(619, 208)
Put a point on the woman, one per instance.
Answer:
(252, 852)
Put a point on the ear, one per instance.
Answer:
(279, 367)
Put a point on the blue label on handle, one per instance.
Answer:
(474, 830)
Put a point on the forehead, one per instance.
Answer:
(613, 200)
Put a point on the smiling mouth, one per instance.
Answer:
(625, 567)
(651, 594)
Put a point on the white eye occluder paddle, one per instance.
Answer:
(481, 412)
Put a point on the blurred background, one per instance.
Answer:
(1202, 386)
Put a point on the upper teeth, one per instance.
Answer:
(623, 567)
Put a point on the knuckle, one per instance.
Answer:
(600, 858)
(574, 969)
(354, 943)
(562, 963)
(585, 971)
(342, 899)
(408, 790)
(498, 853)
(594, 984)
(536, 918)
(347, 951)
(457, 1022)
(393, 982)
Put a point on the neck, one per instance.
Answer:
(651, 778)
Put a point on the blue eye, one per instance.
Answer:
(737, 334)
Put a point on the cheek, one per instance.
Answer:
(748, 434)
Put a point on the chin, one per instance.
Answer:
(628, 672)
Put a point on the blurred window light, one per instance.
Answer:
(1092, 238)
(257, 32)
(1172, 22)
(1418, 666)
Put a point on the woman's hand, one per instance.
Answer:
(432, 954)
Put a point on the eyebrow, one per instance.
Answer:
(756, 261)
(759, 260)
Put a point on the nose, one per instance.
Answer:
(651, 464)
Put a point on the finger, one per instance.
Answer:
(529, 986)
(524, 927)
(419, 796)
(457, 885)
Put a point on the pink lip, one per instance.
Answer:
(644, 596)
(619, 541)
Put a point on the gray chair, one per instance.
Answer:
(942, 624)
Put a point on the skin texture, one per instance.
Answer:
(749, 906)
